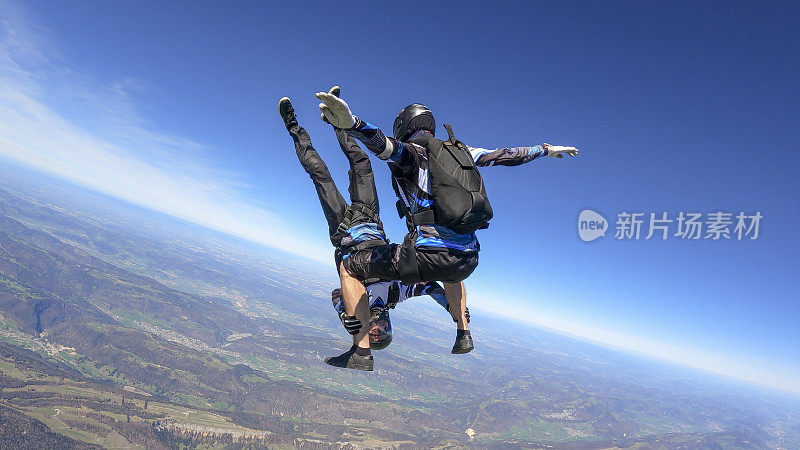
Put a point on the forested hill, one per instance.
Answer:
(121, 327)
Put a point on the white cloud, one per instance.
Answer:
(47, 109)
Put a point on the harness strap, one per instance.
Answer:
(363, 209)
(365, 245)
(413, 220)
(450, 134)
(347, 221)
(394, 295)
(408, 266)
(423, 218)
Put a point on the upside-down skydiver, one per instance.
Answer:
(356, 226)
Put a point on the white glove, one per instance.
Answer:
(558, 151)
(336, 111)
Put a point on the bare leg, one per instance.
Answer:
(356, 304)
(457, 300)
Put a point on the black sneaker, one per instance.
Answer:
(335, 92)
(463, 344)
(351, 360)
(287, 112)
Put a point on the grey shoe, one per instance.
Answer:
(286, 110)
(351, 360)
(463, 344)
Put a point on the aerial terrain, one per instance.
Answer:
(122, 327)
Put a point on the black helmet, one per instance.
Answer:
(413, 117)
(380, 329)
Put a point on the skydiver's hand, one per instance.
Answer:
(558, 151)
(352, 324)
(336, 111)
(335, 92)
(336, 295)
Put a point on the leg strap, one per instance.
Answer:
(408, 266)
(347, 221)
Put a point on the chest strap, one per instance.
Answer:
(414, 220)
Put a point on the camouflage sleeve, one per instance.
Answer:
(338, 304)
(436, 291)
(513, 156)
(432, 288)
(336, 299)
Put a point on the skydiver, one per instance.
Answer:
(354, 227)
(431, 250)
(385, 295)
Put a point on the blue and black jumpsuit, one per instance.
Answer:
(439, 252)
(364, 229)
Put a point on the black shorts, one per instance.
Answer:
(411, 265)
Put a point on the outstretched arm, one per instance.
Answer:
(515, 156)
(506, 156)
(401, 157)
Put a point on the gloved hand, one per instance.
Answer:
(558, 151)
(336, 111)
(335, 92)
(351, 324)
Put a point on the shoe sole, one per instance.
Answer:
(462, 350)
(356, 367)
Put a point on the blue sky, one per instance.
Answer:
(674, 107)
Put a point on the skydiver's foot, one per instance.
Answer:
(463, 342)
(287, 112)
(351, 359)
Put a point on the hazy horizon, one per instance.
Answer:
(617, 342)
